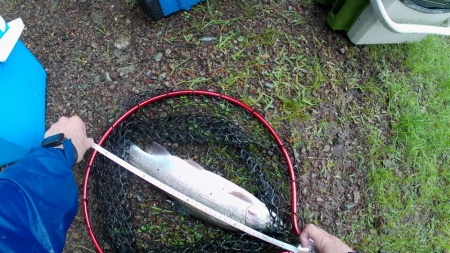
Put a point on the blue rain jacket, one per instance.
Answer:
(38, 201)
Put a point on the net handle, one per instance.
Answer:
(182, 93)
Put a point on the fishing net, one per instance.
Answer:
(127, 214)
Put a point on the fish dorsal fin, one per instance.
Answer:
(194, 164)
(241, 196)
(157, 149)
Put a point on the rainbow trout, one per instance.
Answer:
(208, 188)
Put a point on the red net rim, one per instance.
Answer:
(182, 93)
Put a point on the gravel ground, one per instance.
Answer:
(98, 53)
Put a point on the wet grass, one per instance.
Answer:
(279, 72)
(410, 175)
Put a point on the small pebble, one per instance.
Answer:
(158, 57)
(114, 75)
(348, 206)
(269, 85)
(108, 78)
(185, 54)
(342, 50)
(265, 56)
(123, 41)
(207, 38)
(126, 70)
(356, 196)
(162, 76)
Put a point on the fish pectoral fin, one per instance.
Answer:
(241, 196)
(157, 149)
(194, 164)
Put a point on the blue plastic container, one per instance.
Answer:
(157, 9)
(22, 104)
(170, 6)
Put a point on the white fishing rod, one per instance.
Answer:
(311, 248)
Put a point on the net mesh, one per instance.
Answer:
(128, 214)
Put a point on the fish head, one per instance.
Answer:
(258, 217)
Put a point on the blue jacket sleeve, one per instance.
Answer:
(38, 201)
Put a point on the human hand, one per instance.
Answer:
(324, 242)
(73, 128)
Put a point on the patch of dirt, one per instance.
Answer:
(78, 41)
